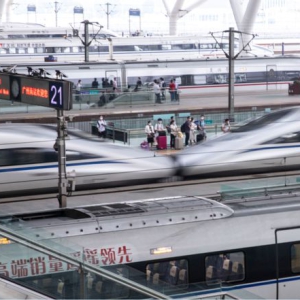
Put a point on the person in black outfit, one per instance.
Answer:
(138, 84)
(102, 100)
(187, 130)
(95, 84)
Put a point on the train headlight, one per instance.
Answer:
(160, 250)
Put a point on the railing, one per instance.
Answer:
(135, 137)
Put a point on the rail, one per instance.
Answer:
(135, 137)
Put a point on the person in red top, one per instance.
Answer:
(172, 89)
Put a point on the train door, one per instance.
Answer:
(111, 74)
(119, 74)
(287, 263)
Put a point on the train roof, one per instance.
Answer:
(124, 216)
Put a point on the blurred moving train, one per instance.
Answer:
(194, 76)
(181, 246)
(269, 143)
(29, 162)
(34, 42)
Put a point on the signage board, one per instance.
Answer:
(134, 12)
(36, 91)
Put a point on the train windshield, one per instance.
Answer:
(264, 121)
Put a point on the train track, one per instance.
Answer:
(154, 186)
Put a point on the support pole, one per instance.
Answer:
(62, 175)
(86, 41)
(56, 11)
(231, 75)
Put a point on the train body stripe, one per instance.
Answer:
(239, 287)
(40, 167)
(271, 148)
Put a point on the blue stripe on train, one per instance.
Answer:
(237, 287)
(19, 169)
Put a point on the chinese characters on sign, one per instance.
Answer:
(35, 92)
(40, 265)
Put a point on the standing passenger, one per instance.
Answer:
(78, 90)
(95, 84)
(101, 124)
(173, 134)
(176, 90)
(172, 88)
(149, 130)
(202, 126)
(193, 127)
(187, 129)
(156, 90)
(226, 126)
(162, 86)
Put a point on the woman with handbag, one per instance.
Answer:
(149, 130)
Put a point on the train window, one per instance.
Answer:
(75, 155)
(295, 258)
(285, 139)
(263, 121)
(199, 79)
(28, 156)
(224, 267)
(171, 273)
(5, 157)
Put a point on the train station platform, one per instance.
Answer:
(190, 103)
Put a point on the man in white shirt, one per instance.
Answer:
(78, 90)
(176, 90)
(156, 90)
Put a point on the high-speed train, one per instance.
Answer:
(29, 162)
(194, 76)
(269, 143)
(184, 247)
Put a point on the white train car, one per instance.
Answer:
(193, 75)
(29, 162)
(269, 143)
(183, 246)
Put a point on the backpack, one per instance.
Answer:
(182, 128)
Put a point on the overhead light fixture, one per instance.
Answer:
(60, 75)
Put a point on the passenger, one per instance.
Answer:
(226, 126)
(106, 83)
(138, 84)
(187, 130)
(176, 90)
(95, 83)
(159, 128)
(102, 100)
(103, 83)
(149, 130)
(101, 125)
(201, 127)
(174, 131)
(156, 90)
(162, 86)
(115, 85)
(78, 90)
(193, 127)
(172, 88)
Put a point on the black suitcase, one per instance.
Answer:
(200, 137)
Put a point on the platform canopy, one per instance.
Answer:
(244, 12)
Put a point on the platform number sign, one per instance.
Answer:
(56, 99)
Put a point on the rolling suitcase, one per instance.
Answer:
(161, 142)
(178, 143)
(200, 137)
